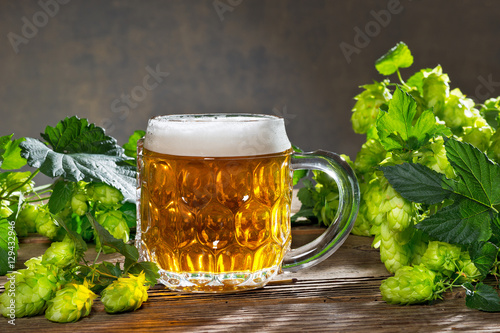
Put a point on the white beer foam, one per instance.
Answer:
(216, 135)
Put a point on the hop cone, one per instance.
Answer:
(367, 105)
(362, 226)
(394, 253)
(458, 111)
(494, 150)
(105, 194)
(435, 88)
(469, 271)
(410, 285)
(125, 294)
(441, 257)
(30, 289)
(369, 157)
(25, 222)
(114, 222)
(60, 254)
(70, 303)
(436, 159)
(478, 135)
(46, 224)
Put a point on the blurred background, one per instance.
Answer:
(119, 63)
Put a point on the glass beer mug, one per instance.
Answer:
(214, 196)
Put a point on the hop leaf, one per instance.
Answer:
(125, 294)
(397, 130)
(397, 57)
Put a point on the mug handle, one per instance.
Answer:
(334, 236)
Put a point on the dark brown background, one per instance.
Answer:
(263, 56)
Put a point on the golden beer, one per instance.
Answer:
(216, 217)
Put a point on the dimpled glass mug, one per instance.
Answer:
(214, 196)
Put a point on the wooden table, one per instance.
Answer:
(340, 294)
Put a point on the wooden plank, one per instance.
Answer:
(340, 294)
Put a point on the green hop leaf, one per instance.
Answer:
(75, 135)
(70, 303)
(81, 166)
(125, 294)
(396, 129)
(481, 297)
(483, 255)
(430, 188)
(131, 145)
(10, 153)
(61, 196)
(397, 57)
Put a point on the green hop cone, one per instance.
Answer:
(468, 271)
(28, 290)
(435, 88)
(478, 135)
(25, 221)
(125, 294)
(399, 211)
(435, 158)
(410, 285)
(394, 253)
(494, 150)
(362, 226)
(61, 254)
(103, 193)
(114, 222)
(70, 303)
(458, 111)
(367, 105)
(369, 157)
(441, 257)
(79, 203)
(418, 245)
(46, 224)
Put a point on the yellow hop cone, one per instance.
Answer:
(70, 303)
